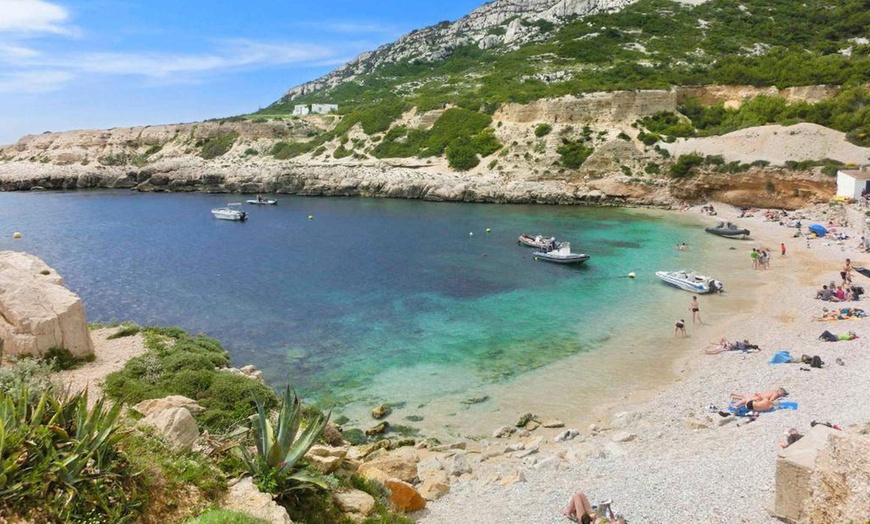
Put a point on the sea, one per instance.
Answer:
(431, 308)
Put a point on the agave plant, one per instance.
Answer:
(279, 449)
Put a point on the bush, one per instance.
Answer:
(29, 373)
(543, 130)
(216, 146)
(461, 155)
(574, 153)
(221, 516)
(127, 330)
(180, 364)
(686, 166)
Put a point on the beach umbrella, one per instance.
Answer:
(818, 229)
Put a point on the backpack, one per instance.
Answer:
(816, 362)
(827, 336)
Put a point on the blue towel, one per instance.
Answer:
(781, 357)
(786, 405)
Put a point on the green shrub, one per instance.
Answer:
(286, 150)
(222, 516)
(180, 364)
(652, 168)
(250, 152)
(29, 373)
(127, 330)
(216, 146)
(342, 152)
(543, 130)
(574, 153)
(686, 166)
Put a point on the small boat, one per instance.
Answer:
(562, 255)
(538, 241)
(691, 281)
(729, 230)
(230, 212)
(262, 202)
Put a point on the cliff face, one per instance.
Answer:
(514, 19)
(528, 168)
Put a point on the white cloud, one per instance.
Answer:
(232, 55)
(32, 16)
(34, 81)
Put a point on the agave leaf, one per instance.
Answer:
(288, 420)
(304, 477)
(305, 441)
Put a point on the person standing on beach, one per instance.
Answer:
(846, 273)
(782, 248)
(754, 257)
(680, 328)
(696, 310)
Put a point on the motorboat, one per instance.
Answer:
(231, 211)
(691, 281)
(729, 230)
(538, 241)
(262, 202)
(561, 255)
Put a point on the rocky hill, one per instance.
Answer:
(552, 101)
(508, 23)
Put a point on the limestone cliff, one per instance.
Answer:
(527, 168)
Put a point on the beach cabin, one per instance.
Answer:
(851, 184)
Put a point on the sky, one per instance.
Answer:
(95, 64)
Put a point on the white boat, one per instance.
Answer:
(562, 255)
(263, 202)
(538, 241)
(691, 281)
(230, 212)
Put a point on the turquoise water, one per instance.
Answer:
(335, 304)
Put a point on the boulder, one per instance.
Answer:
(840, 484)
(356, 503)
(244, 497)
(176, 425)
(794, 469)
(402, 468)
(515, 477)
(37, 311)
(378, 429)
(554, 423)
(504, 431)
(147, 407)
(381, 411)
(404, 497)
(326, 459)
(459, 465)
(434, 488)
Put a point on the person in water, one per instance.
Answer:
(680, 328)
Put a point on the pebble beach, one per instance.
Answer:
(670, 456)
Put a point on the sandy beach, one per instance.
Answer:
(667, 457)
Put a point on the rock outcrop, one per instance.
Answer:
(518, 21)
(244, 497)
(823, 478)
(37, 311)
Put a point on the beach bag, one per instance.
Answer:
(827, 336)
(816, 362)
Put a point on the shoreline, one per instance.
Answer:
(680, 465)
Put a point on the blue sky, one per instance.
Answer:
(112, 63)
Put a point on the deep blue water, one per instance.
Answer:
(364, 286)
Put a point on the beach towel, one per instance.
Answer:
(781, 357)
(785, 405)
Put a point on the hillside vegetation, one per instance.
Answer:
(652, 44)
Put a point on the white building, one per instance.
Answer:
(852, 183)
(322, 109)
(301, 110)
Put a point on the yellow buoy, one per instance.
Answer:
(631, 275)
(16, 235)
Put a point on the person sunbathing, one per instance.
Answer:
(580, 510)
(764, 401)
(723, 346)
